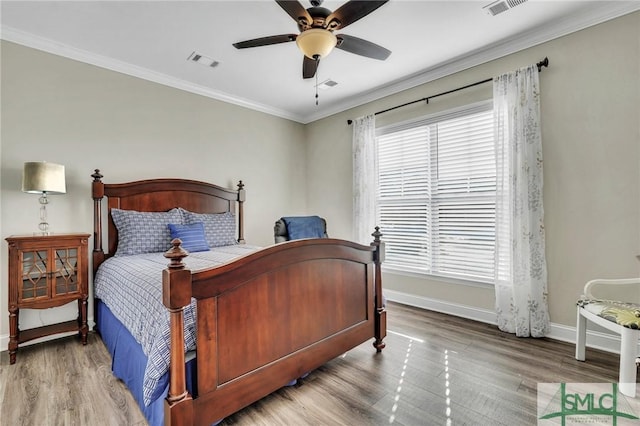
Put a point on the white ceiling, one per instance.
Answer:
(153, 39)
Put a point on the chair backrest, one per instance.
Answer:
(281, 232)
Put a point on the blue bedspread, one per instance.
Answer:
(131, 286)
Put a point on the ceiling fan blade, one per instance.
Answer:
(295, 10)
(309, 67)
(265, 41)
(361, 47)
(351, 11)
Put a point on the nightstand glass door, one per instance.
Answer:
(34, 275)
(65, 274)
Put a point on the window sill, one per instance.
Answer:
(437, 278)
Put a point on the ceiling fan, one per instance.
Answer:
(316, 38)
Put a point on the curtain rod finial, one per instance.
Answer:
(543, 63)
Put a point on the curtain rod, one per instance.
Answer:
(542, 63)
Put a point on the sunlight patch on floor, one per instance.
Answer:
(447, 389)
(406, 336)
(396, 399)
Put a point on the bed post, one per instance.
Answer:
(97, 192)
(241, 196)
(176, 294)
(381, 313)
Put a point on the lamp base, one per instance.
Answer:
(43, 225)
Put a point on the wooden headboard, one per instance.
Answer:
(157, 195)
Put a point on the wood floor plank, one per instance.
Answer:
(436, 369)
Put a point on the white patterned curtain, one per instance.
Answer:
(521, 271)
(365, 178)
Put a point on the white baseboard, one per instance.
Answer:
(463, 311)
(595, 339)
(4, 339)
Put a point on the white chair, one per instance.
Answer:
(622, 318)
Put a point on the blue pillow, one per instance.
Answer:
(192, 236)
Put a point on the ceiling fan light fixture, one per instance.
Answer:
(316, 43)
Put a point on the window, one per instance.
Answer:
(437, 194)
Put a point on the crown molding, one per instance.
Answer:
(50, 46)
(601, 12)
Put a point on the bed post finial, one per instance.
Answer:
(381, 313)
(97, 193)
(175, 254)
(376, 235)
(97, 177)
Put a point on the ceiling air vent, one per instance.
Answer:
(327, 84)
(203, 60)
(502, 6)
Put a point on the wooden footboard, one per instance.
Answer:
(269, 318)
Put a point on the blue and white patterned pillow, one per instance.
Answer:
(192, 236)
(219, 228)
(143, 232)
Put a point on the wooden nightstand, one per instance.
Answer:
(45, 272)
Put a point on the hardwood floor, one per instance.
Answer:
(61, 382)
(436, 370)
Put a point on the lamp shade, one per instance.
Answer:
(42, 177)
(316, 42)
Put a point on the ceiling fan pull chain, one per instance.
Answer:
(316, 88)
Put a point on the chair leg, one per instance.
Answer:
(628, 369)
(581, 336)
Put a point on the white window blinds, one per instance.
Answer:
(436, 194)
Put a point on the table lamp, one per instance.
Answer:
(40, 177)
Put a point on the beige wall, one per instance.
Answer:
(85, 117)
(591, 147)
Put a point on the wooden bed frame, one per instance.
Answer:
(262, 320)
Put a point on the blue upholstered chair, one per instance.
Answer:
(297, 227)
